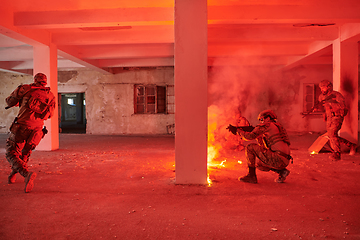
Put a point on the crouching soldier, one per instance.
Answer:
(36, 103)
(272, 150)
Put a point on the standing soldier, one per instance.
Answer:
(335, 111)
(36, 103)
(272, 150)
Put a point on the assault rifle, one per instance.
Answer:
(329, 99)
(234, 129)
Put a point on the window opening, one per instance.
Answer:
(150, 99)
(311, 95)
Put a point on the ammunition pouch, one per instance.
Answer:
(289, 157)
(35, 138)
(14, 128)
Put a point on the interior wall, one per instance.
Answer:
(110, 98)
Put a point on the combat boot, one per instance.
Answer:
(282, 175)
(335, 156)
(250, 177)
(12, 176)
(352, 149)
(29, 181)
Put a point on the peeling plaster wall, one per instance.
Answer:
(297, 77)
(110, 100)
(8, 83)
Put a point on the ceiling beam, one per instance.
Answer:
(23, 52)
(305, 13)
(10, 66)
(92, 64)
(95, 17)
(258, 49)
(269, 32)
(350, 32)
(133, 35)
(248, 61)
(329, 12)
(121, 51)
(137, 62)
(317, 50)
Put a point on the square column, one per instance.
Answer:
(345, 81)
(191, 91)
(45, 61)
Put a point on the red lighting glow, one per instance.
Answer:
(222, 145)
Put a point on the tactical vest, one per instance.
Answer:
(40, 102)
(281, 136)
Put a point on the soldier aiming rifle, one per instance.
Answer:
(272, 152)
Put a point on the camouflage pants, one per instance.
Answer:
(333, 126)
(267, 158)
(19, 146)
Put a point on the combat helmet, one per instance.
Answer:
(327, 85)
(40, 78)
(267, 113)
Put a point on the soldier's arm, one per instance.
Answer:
(258, 131)
(14, 99)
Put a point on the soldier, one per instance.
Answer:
(36, 103)
(241, 122)
(335, 111)
(272, 150)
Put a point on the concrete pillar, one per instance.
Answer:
(45, 61)
(345, 80)
(191, 91)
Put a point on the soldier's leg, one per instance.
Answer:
(26, 152)
(14, 144)
(274, 162)
(333, 130)
(32, 141)
(250, 153)
(349, 144)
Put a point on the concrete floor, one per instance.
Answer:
(122, 187)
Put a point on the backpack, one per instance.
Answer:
(41, 101)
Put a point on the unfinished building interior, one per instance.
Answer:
(181, 68)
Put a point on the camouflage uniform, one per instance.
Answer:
(335, 111)
(27, 129)
(271, 137)
(268, 158)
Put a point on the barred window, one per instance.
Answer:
(149, 99)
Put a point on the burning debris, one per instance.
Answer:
(225, 150)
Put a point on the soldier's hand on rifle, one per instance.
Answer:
(232, 129)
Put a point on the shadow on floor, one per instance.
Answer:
(72, 128)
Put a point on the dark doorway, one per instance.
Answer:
(72, 113)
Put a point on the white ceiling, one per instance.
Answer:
(108, 35)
